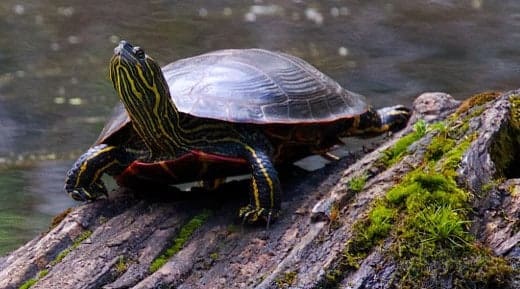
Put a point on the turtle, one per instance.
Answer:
(219, 114)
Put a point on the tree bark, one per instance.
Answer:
(112, 243)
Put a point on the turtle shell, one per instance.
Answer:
(252, 86)
(258, 86)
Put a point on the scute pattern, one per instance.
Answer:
(258, 86)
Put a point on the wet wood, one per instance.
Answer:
(112, 243)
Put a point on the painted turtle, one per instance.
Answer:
(220, 114)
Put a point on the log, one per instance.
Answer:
(436, 205)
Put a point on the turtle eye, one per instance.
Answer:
(139, 52)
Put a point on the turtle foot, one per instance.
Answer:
(252, 215)
(93, 192)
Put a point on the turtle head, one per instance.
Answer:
(137, 78)
(144, 92)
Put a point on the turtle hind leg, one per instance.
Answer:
(375, 122)
(265, 191)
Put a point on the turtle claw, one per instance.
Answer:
(93, 192)
(78, 194)
(251, 215)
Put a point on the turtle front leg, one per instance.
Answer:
(83, 181)
(265, 192)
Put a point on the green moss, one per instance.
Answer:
(515, 110)
(426, 265)
(178, 243)
(356, 184)
(367, 234)
(505, 150)
(121, 265)
(287, 279)
(440, 224)
(468, 109)
(451, 159)
(381, 219)
(213, 256)
(421, 188)
(28, 284)
(438, 147)
(398, 150)
(427, 215)
(432, 236)
(43, 273)
(82, 237)
(440, 127)
(476, 100)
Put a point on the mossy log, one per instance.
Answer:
(435, 206)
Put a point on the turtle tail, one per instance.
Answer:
(375, 122)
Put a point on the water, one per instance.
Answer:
(55, 96)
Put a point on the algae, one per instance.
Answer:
(178, 243)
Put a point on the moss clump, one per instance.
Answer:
(438, 147)
(433, 244)
(178, 243)
(427, 216)
(470, 108)
(440, 224)
(213, 256)
(397, 151)
(449, 163)
(432, 264)
(121, 265)
(287, 279)
(476, 100)
(367, 234)
(356, 184)
(421, 189)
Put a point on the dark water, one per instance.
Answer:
(55, 96)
